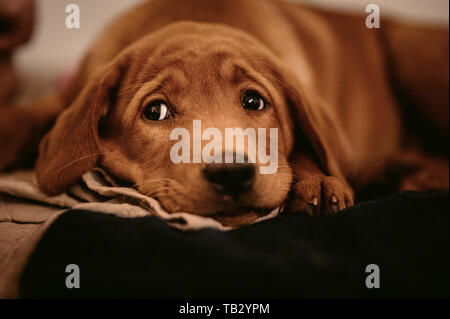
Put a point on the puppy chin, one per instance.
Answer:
(224, 209)
(239, 217)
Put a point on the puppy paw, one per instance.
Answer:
(320, 195)
(427, 179)
(420, 172)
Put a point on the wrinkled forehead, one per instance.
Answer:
(196, 60)
(197, 49)
(194, 69)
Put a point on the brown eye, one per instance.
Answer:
(157, 111)
(251, 100)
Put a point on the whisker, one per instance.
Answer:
(73, 162)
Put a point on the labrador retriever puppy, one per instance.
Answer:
(339, 94)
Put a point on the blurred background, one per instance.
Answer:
(54, 49)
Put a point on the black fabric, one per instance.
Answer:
(291, 256)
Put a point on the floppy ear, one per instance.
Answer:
(320, 124)
(71, 148)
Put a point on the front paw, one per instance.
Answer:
(320, 195)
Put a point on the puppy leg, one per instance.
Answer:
(21, 129)
(420, 172)
(314, 192)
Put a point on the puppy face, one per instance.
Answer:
(219, 79)
(183, 74)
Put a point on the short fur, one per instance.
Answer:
(332, 86)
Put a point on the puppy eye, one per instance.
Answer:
(251, 100)
(156, 111)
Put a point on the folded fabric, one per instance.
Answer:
(26, 213)
(97, 192)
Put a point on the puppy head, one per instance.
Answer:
(181, 76)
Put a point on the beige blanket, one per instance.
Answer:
(26, 213)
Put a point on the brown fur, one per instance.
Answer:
(326, 77)
(16, 22)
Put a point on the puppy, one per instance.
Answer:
(336, 91)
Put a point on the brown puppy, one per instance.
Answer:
(324, 80)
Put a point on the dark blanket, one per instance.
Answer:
(292, 256)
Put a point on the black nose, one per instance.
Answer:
(230, 178)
